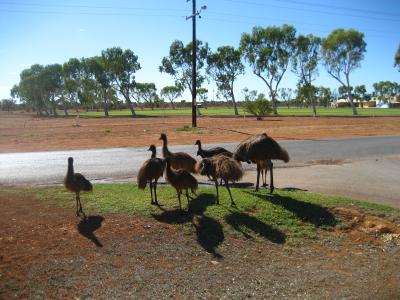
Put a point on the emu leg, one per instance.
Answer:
(264, 177)
(230, 194)
(179, 198)
(155, 192)
(151, 192)
(77, 206)
(216, 186)
(188, 199)
(271, 180)
(258, 179)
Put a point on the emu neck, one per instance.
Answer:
(165, 150)
(153, 153)
(70, 171)
(199, 144)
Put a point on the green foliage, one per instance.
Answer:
(268, 50)
(179, 64)
(224, 66)
(343, 51)
(7, 104)
(385, 89)
(257, 105)
(171, 93)
(397, 58)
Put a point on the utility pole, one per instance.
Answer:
(194, 56)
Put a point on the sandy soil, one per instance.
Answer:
(47, 253)
(22, 132)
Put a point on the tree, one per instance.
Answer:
(359, 93)
(286, 95)
(179, 64)
(305, 93)
(385, 89)
(121, 67)
(397, 59)
(224, 66)
(256, 104)
(146, 92)
(324, 95)
(97, 69)
(171, 93)
(305, 63)
(7, 104)
(342, 53)
(268, 50)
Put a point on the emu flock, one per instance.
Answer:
(216, 163)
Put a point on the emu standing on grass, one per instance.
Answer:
(223, 167)
(211, 152)
(263, 166)
(180, 180)
(259, 148)
(151, 170)
(179, 160)
(76, 182)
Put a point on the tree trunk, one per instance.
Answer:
(350, 96)
(130, 104)
(275, 111)
(173, 104)
(234, 103)
(106, 108)
(313, 104)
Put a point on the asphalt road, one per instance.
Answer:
(365, 168)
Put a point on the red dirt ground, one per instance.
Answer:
(20, 132)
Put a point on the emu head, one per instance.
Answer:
(70, 160)
(163, 137)
(152, 148)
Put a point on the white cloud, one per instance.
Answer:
(81, 30)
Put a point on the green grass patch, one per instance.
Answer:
(277, 217)
(228, 111)
(187, 128)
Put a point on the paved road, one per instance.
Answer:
(365, 168)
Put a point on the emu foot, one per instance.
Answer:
(271, 190)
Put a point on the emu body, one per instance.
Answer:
(221, 167)
(179, 160)
(181, 180)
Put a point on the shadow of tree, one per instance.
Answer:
(238, 219)
(208, 230)
(87, 227)
(307, 212)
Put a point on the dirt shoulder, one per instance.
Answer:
(46, 252)
(22, 132)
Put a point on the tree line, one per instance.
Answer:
(106, 79)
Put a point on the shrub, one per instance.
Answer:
(259, 107)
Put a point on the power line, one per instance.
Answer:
(311, 10)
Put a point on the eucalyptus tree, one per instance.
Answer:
(324, 95)
(268, 50)
(179, 64)
(72, 76)
(342, 52)
(305, 63)
(31, 89)
(359, 92)
(7, 104)
(121, 66)
(385, 89)
(171, 93)
(146, 92)
(286, 95)
(224, 66)
(52, 79)
(97, 69)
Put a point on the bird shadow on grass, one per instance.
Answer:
(88, 225)
(238, 220)
(305, 211)
(209, 231)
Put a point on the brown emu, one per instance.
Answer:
(151, 170)
(76, 182)
(211, 152)
(263, 166)
(179, 160)
(259, 148)
(180, 180)
(223, 167)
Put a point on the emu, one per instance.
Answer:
(259, 148)
(211, 152)
(76, 182)
(181, 180)
(221, 167)
(179, 160)
(151, 170)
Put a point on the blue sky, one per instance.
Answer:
(46, 32)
